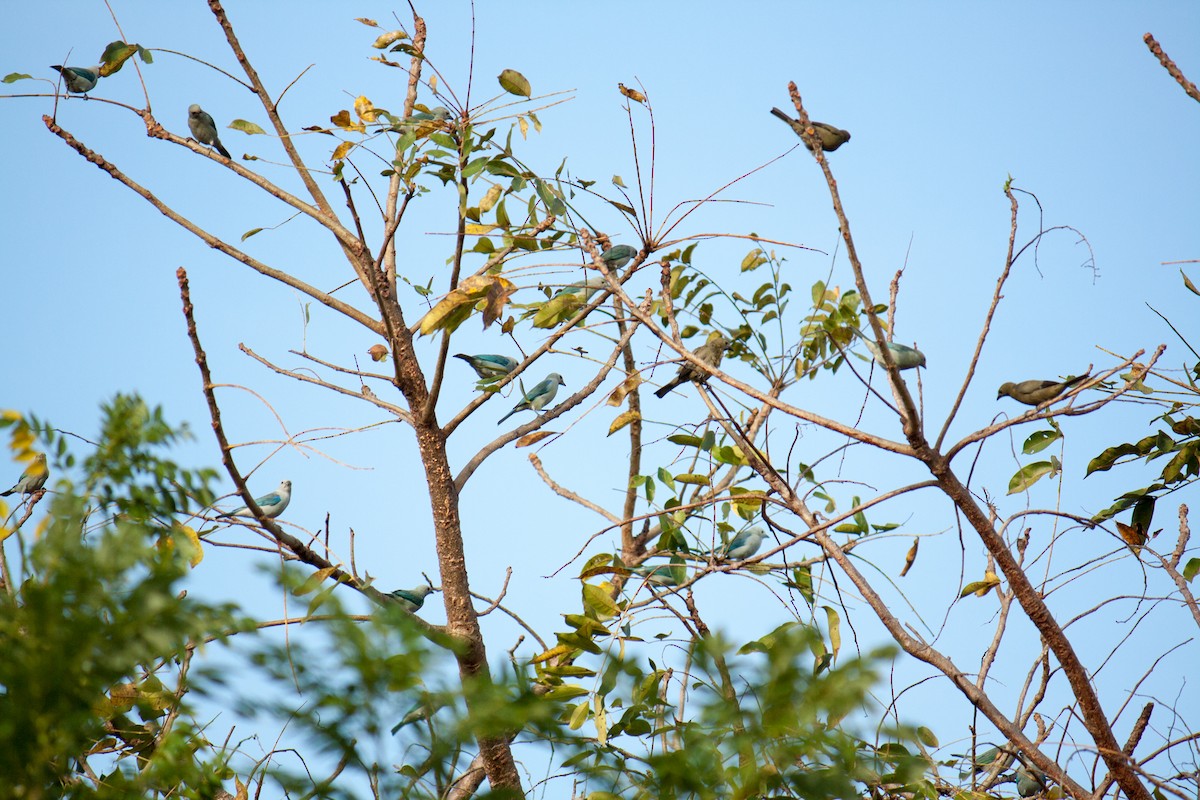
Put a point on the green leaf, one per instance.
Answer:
(693, 479)
(579, 715)
(250, 233)
(599, 602)
(246, 127)
(927, 737)
(514, 82)
(13, 77)
(1190, 569)
(1029, 475)
(835, 629)
(565, 692)
(1039, 441)
(1186, 281)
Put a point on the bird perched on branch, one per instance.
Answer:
(831, 138)
(744, 545)
(618, 256)
(272, 504)
(412, 599)
(539, 396)
(905, 357)
(711, 353)
(33, 478)
(204, 129)
(1033, 393)
(79, 80)
(489, 365)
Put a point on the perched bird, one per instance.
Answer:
(618, 256)
(710, 353)
(1030, 781)
(539, 396)
(204, 129)
(79, 80)
(33, 478)
(744, 545)
(905, 357)
(831, 138)
(1033, 393)
(412, 599)
(660, 575)
(489, 365)
(272, 504)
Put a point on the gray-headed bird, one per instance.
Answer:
(204, 129)
(33, 478)
(539, 396)
(711, 353)
(272, 504)
(831, 138)
(904, 356)
(744, 545)
(79, 80)
(489, 365)
(412, 599)
(1033, 393)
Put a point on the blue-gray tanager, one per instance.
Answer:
(272, 504)
(204, 129)
(79, 80)
(744, 545)
(33, 478)
(618, 256)
(1030, 781)
(831, 138)
(711, 353)
(489, 365)
(412, 599)
(905, 357)
(539, 396)
(660, 575)
(1033, 393)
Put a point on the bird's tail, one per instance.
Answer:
(665, 389)
(506, 416)
(463, 356)
(221, 148)
(782, 115)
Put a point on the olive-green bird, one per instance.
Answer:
(711, 353)
(1033, 393)
(831, 138)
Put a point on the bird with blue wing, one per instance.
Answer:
(33, 478)
(618, 256)
(411, 599)
(79, 80)
(489, 366)
(831, 138)
(1034, 393)
(659, 574)
(711, 353)
(744, 545)
(539, 396)
(905, 357)
(272, 504)
(204, 129)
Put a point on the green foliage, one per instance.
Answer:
(95, 626)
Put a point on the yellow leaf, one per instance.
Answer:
(343, 121)
(313, 581)
(910, 558)
(533, 438)
(341, 150)
(622, 420)
(469, 292)
(632, 94)
(365, 109)
(693, 479)
(197, 554)
(387, 39)
(1134, 536)
(478, 229)
(627, 386)
(377, 352)
(554, 652)
(489, 200)
(524, 127)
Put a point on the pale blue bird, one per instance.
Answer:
(79, 80)
(585, 289)
(660, 575)
(272, 504)
(744, 545)
(618, 256)
(204, 129)
(539, 396)
(412, 599)
(905, 357)
(489, 365)
(33, 478)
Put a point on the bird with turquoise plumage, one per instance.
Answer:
(744, 545)
(272, 504)
(79, 80)
(201, 124)
(411, 600)
(33, 478)
(1030, 781)
(539, 396)
(711, 353)
(831, 138)
(1034, 393)
(905, 357)
(618, 256)
(489, 366)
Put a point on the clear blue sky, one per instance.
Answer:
(945, 101)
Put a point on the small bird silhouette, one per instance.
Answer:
(204, 129)
(831, 138)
